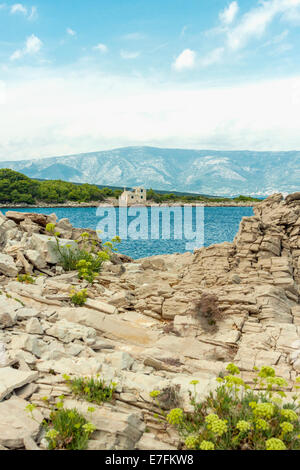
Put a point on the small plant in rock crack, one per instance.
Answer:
(238, 417)
(26, 278)
(93, 390)
(66, 429)
(78, 297)
(83, 255)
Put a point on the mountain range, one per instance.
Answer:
(223, 173)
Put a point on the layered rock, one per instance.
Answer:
(155, 323)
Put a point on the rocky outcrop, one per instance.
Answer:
(155, 323)
(26, 246)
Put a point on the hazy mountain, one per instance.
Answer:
(202, 171)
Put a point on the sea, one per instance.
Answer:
(150, 234)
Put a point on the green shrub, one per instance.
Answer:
(236, 417)
(85, 258)
(93, 390)
(78, 297)
(66, 429)
(25, 278)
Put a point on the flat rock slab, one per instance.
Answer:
(150, 442)
(110, 326)
(115, 430)
(16, 424)
(10, 379)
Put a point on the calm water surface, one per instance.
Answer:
(220, 224)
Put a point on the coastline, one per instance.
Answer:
(115, 204)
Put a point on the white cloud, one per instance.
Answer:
(18, 8)
(31, 14)
(183, 31)
(228, 15)
(32, 46)
(127, 55)
(71, 32)
(251, 26)
(16, 55)
(186, 60)
(277, 39)
(214, 57)
(37, 117)
(254, 23)
(101, 47)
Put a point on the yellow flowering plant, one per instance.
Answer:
(78, 297)
(65, 429)
(85, 255)
(239, 417)
(92, 389)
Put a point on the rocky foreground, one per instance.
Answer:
(152, 324)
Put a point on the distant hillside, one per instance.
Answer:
(222, 173)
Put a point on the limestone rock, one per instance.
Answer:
(101, 306)
(3, 355)
(46, 245)
(7, 265)
(27, 342)
(10, 379)
(145, 325)
(34, 327)
(150, 442)
(115, 430)
(36, 258)
(67, 331)
(16, 423)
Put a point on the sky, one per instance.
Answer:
(87, 75)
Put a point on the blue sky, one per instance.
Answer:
(79, 76)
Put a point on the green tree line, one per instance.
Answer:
(18, 188)
(171, 197)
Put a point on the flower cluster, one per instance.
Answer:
(243, 426)
(175, 416)
(216, 425)
(239, 416)
(191, 442)
(264, 410)
(286, 427)
(262, 425)
(154, 393)
(78, 297)
(207, 445)
(232, 380)
(266, 371)
(279, 381)
(233, 369)
(275, 444)
(289, 415)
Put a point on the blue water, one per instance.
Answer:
(220, 224)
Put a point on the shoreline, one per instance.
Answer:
(111, 203)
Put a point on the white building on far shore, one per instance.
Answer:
(137, 196)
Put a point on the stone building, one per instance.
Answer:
(137, 196)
